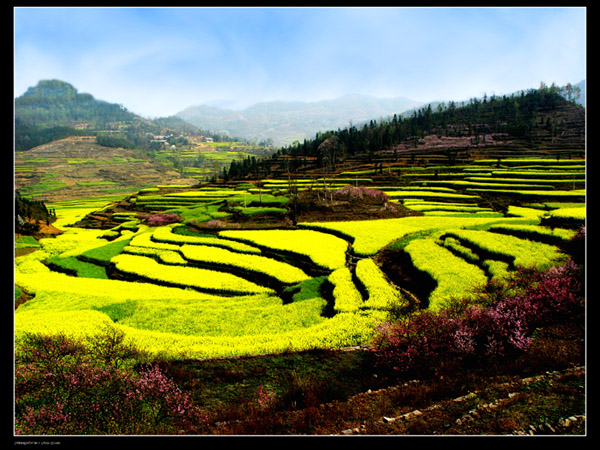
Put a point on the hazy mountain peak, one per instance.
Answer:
(287, 121)
(51, 88)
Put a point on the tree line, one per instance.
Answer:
(513, 115)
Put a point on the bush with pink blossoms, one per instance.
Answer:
(63, 388)
(167, 405)
(350, 193)
(265, 397)
(159, 220)
(557, 293)
(497, 323)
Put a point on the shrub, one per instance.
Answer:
(350, 193)
(159, 220)
(497, 323)
(265, 397)
(557, 294)
(61, 387)
(111, 348)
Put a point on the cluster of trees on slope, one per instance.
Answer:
(513, 115)
(28, 212)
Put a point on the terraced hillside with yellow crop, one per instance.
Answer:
(207, 259)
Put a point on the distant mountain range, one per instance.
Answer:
(285, 122)
(54, 109)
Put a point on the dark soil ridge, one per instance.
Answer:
(475, 411)
(398, 267)
(482, 253)
(313, 206)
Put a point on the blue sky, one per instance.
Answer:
(158, 61)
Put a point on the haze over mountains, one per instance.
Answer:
(285, 122)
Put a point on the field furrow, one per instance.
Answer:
(187, 277)
(511, 249)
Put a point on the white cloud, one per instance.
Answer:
(160, 61)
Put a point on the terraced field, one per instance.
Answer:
(210, 284)
(78, 167)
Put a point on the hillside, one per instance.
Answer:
(54, 109)
(55, 102)
(77, 145)
(70, 145)
(286, 122)
(77, 167)
(533, 121)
